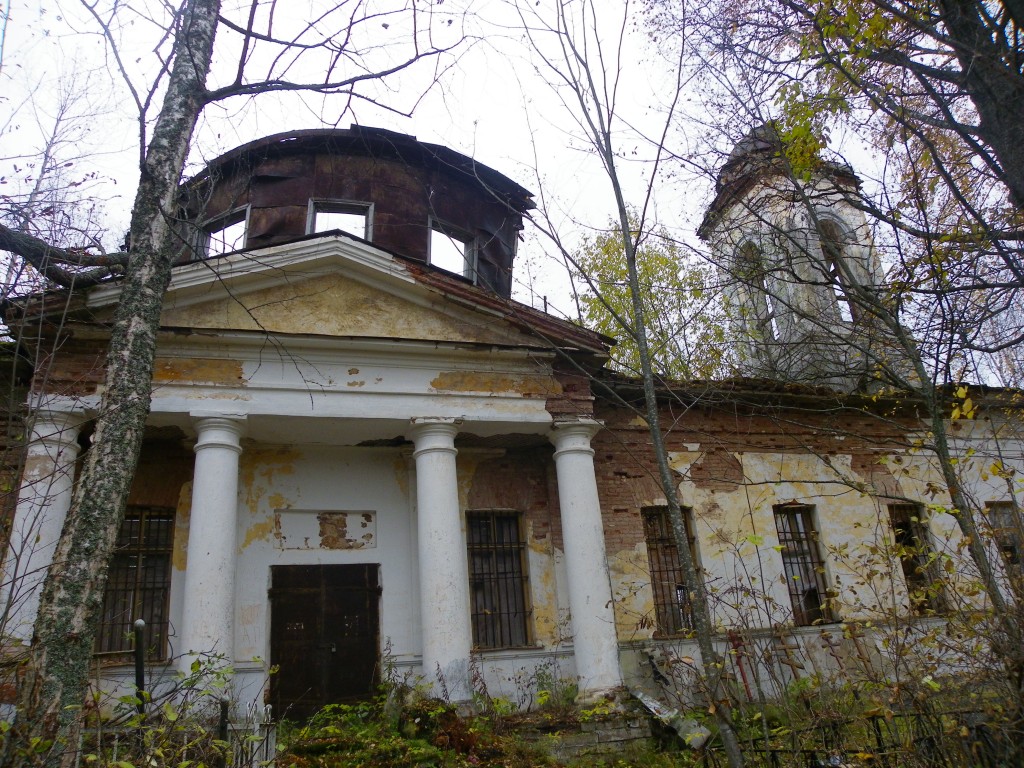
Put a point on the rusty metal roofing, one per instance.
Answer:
(378, 143)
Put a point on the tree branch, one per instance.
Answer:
(45, 258)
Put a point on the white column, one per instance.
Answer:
(444, 569)
(44, 500)
(590, 593)
(208, 614)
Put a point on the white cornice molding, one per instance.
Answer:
(267, 266)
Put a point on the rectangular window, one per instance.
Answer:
(452, 249)
(673, 605)
(497, 579)
(913, 547)
(1008, 531)
(225, 234)
(329, 215)
(139, 582)
(803, 566)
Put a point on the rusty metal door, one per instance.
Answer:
(324, 636)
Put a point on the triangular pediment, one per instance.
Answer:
(331, 286)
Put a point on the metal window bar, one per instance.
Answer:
(497, 579)
(915, 552)
(804, 569)
(139, 582)
(672, 603)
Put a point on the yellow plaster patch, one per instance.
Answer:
(261, 531)
(211, 370)
(634, 599)
(401, 470)
(467, 466)
(311, 306)
(278, 501)
(357, 383)
(543, 593)
(524, 384)
(258, 470)
(183, 516)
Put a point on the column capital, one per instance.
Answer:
(434, 434)
(218, 430)
(56, 429)
(574, 436)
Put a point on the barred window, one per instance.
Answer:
(673, 605)
(914, 549)
(497, 579)
(1008, 530)
(139, 582)
(803, 566)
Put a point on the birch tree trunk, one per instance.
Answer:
(56, 680)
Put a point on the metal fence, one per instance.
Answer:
(947, 739)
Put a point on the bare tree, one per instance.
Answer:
(287, 48)
(580, 50)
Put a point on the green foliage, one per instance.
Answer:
(555, 693)
(683, 311)
(428, 734)
(179, 727)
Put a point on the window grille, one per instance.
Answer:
(139, 582)
(1008, 530)
(673, 604)
(497, 579)
(913, 544)
(803, 566)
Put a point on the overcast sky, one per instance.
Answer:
(494, 103)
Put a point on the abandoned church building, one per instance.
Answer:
(365, 459)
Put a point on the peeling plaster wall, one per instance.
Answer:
(733, 467)
(295, 503)
(309, 303)
(353, 381)
(289, 489)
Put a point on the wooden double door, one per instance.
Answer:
(324, 636)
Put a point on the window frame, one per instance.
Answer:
(912, 536)
(833, 242)
(147, 599)
(337, 205)
(1009, 537)
(754, 275)
(454, 233)
(500, 609)
(803, 553)
(673, 606)
(210, 227)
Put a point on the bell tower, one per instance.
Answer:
(801, 273)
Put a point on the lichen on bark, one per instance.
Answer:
(56, 679)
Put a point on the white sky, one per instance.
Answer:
(492, 104)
